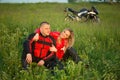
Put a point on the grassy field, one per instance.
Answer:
(98, 44)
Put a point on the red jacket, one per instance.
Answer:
(59, 46)
(42, 46)
(40, 49)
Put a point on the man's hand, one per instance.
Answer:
(53, 48)
(41, 63)
(29, 58)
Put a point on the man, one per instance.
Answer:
(39, 48)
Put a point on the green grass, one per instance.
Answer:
(98, 44)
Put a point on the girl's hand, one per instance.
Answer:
(53, 48)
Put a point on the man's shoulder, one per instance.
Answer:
(31, 35)
(37, 30)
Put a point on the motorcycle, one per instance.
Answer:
(83, 15)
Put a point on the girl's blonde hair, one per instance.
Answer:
(71, 38)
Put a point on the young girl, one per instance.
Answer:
(64, 40)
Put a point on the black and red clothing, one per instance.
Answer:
(59, 45)
(38, 49)
(60, 54)
(70, 52)
(41, 47)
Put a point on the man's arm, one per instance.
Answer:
(28, 46)
(53, 50)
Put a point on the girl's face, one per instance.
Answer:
(65, 34)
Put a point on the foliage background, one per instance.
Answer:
(98, 44)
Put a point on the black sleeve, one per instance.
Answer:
(54, 41)
(50, 56)
(27, 43)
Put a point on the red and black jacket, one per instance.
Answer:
(40, 48)
(60, 53)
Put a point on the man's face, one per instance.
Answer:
(45, 29)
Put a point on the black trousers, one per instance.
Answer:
(72, 53)
(50, 64)
(24, 62)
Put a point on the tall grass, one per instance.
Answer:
(98, 44)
